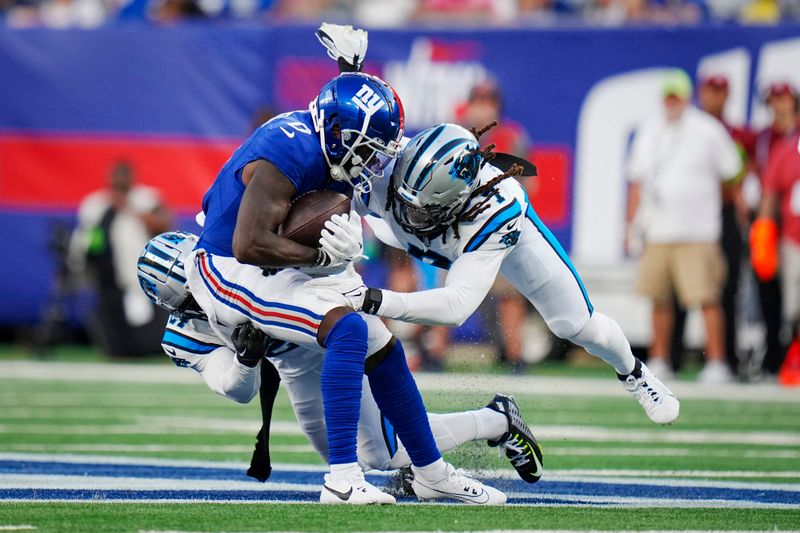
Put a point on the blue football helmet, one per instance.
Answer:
(160, 269)
(359, 119)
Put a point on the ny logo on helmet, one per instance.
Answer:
(367, 100)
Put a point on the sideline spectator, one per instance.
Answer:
(505, 304)
(781, 201)
(782, 100)
(114, 225)
(677, 164)
(712, 97)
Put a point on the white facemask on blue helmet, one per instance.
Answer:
(434, 178)
(358, 117)
(161, 271)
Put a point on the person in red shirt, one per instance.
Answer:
(782, 99)
(781, 201)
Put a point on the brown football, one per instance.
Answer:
(308, 214)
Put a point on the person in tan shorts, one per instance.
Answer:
(679, 163)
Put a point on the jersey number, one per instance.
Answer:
(297, 126)
(430, 257)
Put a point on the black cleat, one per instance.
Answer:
(519, 443)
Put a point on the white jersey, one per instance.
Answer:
(194, 343)
(507, 237)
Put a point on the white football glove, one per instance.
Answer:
(347, 289)
(344, 43)
(342, 239)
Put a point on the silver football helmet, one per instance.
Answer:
(160, 269)
(433, 179)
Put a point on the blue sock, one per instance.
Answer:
(398, 398)
(342, 374)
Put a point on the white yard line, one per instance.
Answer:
(41, 481)
(20, 527)
(548, 386)
(124, 460)
(136, 448)
(161, 425)
(650, 451)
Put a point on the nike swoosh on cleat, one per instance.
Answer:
(539, 469)
(344, 496)
(170, 351)
(466, 498)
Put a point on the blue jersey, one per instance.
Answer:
(289, 142)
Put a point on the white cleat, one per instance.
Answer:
(456, 486)
(353, 491)
(657, 400)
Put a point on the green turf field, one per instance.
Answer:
(749, 442)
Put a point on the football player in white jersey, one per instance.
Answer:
(228, 358)
(447, 205)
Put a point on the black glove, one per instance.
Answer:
(251, 344)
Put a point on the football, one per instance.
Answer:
(308, 215)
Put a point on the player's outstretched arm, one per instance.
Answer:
(466, 286)
(265, 204)
(467, 283)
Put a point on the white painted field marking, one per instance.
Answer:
(674, 473)
(124, 460)
(673, 452)
(50, 481)
(36, 481)
(695, 436)
(21, 527)
(535, 385)
(137, 448)
(193, 425)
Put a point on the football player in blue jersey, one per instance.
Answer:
(231, 360)
(236, 361)
(333, 145)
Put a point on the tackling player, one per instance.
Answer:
(228, 359)
(446, 205)
(330, 146)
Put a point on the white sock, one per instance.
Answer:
(603, 338)
(343, 472)
(454, 429)
(436, 471)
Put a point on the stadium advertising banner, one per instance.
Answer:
(175, 101)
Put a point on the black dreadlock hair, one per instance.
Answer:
(489, 189)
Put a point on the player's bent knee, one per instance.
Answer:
(333, 317)
(565, 329)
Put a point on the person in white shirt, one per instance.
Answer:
(679, 162)
(113, 225)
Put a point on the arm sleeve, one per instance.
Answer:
(226, 376)
(467, 284)
(189, 346)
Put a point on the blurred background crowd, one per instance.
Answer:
(719, 179)
(397, 13)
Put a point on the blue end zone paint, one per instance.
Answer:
(544, 492)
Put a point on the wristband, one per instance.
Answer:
(372, 301)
